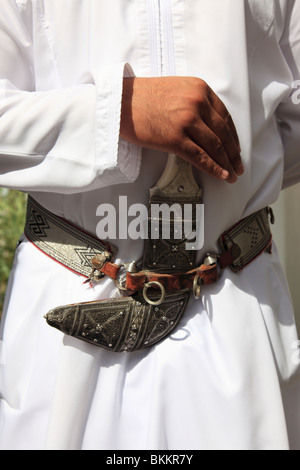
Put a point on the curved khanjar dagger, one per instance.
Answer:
(139, 321)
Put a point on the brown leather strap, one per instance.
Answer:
(111, 270)
(172, 282)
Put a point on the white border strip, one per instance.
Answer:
(2, 353)
(168, 42)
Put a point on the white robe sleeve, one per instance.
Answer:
(63, 140)
(289, 112)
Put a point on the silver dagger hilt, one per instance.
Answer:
(175, 191)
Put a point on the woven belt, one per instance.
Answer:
(153, 302)
(90, 257)
(61, 240)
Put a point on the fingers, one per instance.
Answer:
(201, 160)
(221, 109)
(220, 121)
(210, 150)
(216, 143)
(228, 140)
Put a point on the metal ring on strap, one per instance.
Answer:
(197, 286)
(162, 290)
(121, 279)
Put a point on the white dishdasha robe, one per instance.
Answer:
(228, 377)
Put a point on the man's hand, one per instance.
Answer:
(182, 115)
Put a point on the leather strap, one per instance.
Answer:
(172, 282)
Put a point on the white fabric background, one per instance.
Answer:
(225, 379)
(286, 232)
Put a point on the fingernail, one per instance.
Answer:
(225, 174)
(240, 169)
(233, 179)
